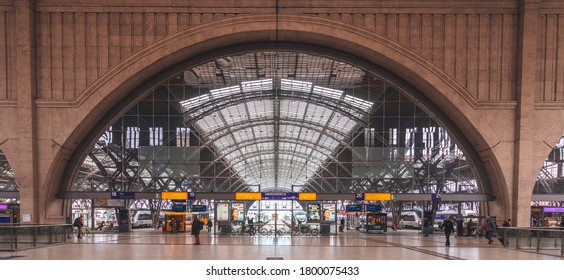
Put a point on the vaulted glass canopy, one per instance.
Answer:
(277, 121)
(271, 132)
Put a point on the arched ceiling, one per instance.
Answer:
(277, 121)
(275, 132)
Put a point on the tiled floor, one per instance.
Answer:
(148, 244)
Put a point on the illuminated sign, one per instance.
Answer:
(359, 196)
(553, 210)
(307, 196)
(248, 196)
(178, 208)
(199, 208)
(373, 208)
(353, 208)
(174, 195)
(122, 195)
(279, 196)
(377, 196)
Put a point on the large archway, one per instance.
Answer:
(274, 117)
(116, 84)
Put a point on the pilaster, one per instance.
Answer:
(524, 171)
(26, 162)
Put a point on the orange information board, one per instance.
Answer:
(174, 195)
(307, 196)
(377, 196)
(248, 196)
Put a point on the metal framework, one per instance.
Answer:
(277, 121)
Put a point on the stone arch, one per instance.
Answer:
(111, 90)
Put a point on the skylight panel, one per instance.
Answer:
(262, 109)
(328, 92)
(194, 102)
(291, 109)
(328, 143)
(295, 86)
(289, 131)
(343, 124)
(226, 91)
(224, 142)
(358, 102)
(258, 85)
(234, 114)
(210, 123)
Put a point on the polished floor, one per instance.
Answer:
(150, 244)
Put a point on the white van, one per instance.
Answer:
(142, 218)
(410, 219)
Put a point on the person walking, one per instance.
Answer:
(342, 226)
(78, 223)
(197, 225)
(490, 227)
(210, 225)
(459, 227)
(470, 227)
(426, 224)
(448, 227)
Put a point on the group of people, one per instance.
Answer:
(489, 228)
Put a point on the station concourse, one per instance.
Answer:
(352, 245)
(144, 110)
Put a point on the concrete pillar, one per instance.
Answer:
(524, 171)
(26, 161)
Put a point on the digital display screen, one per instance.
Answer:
(373, 208)
(353, 208)
(199, 208)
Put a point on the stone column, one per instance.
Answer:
(524, 171)
(26, 162)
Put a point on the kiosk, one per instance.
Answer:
(177, 222)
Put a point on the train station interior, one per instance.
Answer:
(289, 131)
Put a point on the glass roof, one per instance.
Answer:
(277, 121)
(275, 140)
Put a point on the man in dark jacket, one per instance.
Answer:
(196, 227)
(448, 227)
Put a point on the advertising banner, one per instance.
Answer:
(238, 212)
(223, 211)
(313, 213)
(328, 214)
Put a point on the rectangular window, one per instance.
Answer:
(428, 140)
(393, 137)
(132, 137)
(409, 142)
(155, 136)
(182, 137)
(369, 137)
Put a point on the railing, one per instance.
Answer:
(27, 236)
(549, 241)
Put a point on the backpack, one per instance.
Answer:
(491, 226)
(75, 224)
(200, 225)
